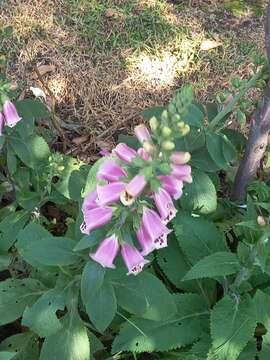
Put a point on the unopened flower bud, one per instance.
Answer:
(180, 158)
(176, 118)
(60, 168)
(181, 124)
(153, 122)
(185, 130)
(142, 133)
(166, 131)
(149, 147)
(164, 115)
(262, 221)
(168, 145)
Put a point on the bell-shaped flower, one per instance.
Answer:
(96, 218)
(106, 252)
(142, 133)
(124, 152)
(172, 185)
(89, 201)
(155, 228)
(133, 189)
(133, 260)
(182, 172)
(110, 171)
(143, 154)
(10, 113)
(110, 193)
(165, 205)
(180, 157)
(2, 123)
(145, 241)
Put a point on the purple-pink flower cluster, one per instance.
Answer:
(116, 188)
(9, 116)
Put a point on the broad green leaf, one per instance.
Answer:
(236, 138)
(101, 306)
(154, 111)
(41, 316)
(129, 140)
(76, 184)
(202, 160)
(229, 151)
(92, 239)
(91, 180)
(193, 141)
(217, 264)
(212, 111)
(249, 352)
(262, 307)
(175, 265)
(201, 347)
(30, 235)
(232, 326)
(197, 237)
(92, 280)
(200, 195)
(23, 346)
(214, 144)
(10, 226)
(95, 343)
(53, 251)
(138, 295)
(140, 335)
(39, 150)
(5, 260)
(11, 161)
(193, 116)
(6, 355)
(15, 296)
(69, 343)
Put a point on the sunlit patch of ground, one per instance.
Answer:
(113, 58)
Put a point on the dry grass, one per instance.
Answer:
(114, 57)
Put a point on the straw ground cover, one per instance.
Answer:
(108, 59)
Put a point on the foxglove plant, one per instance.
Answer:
(9, 116)
(135, 190)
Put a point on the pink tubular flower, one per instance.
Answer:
(133, 189)
(110, 171)
(2, 123)
(165, 205)
(106, 252)
(145, 241)
(180, 158)
(143, 154)
(95, 218)
(124, 152)
(133, 260)
(104, 152)
(142, 133)
(154, 227)
(172, 185)
(110, 193)
(182, 172)
(10, 113)
(89, 202)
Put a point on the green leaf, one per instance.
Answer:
(193, 116)
(249, 352)
(10, 226)
(200, 195)
(23, 346)
(175, 265)
(15, 296)
(214, 144)
(154, 111)
(39, 150)
(236, 138)
(30, 235)
(197, 237)
(232, 326)
(262, 308)
(129, 140)
(52, 251)
(193, 141)
(217, 264)
(11, 161)
(91, 180)
(69, 343)
(101, 306)
(202, 160)
(41, 316)
(92, 280)
(138, 295)
(140, 335)
(6, 355)
(92, 239)
(212, 111)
